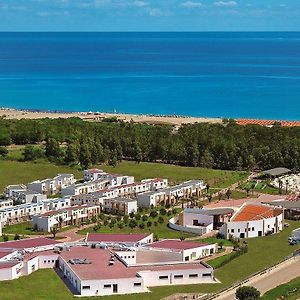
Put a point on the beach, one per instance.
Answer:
(10, 113)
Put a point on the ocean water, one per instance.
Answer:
(253, 75)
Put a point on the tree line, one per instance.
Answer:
(223, 146)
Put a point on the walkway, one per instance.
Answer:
(281, 274)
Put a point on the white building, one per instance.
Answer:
(253, 220)
(52, 186)
(10, 189)
(27, 196)
(119, 205)
(74, 215)
(171, 195)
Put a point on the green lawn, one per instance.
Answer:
(24, 228)
(213, 240)
(176, 174)
(290, 291)
(263, 252)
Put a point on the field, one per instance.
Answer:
(237, 269)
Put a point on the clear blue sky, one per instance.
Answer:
(149, 15)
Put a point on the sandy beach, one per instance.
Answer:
(89, 116)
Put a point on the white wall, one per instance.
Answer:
(196, 253)
(189, 217)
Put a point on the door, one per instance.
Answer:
(260, 233)
(115, 288)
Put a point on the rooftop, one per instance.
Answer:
(115, 238)
(277, 171)
(28, 243)
(4, 253)
(210, 212)
(6, 265)
(286, 204)
(252, 212)
(176, 245)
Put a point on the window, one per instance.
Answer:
(178, 276)
(252, 228)
(86, 287)
(45, 261)
(137, 284)
(206, 275)
(164, 277)
(107, 286)
(193, 275)
(232, 230)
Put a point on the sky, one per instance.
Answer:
(149, 15)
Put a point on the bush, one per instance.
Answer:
(144, 218)
(111, 225)
(120, 225)
(174, 211)
(155, 223)
(132, 223)
(105, 222)
(5, 237)
(32, 153)
(137, 217)
(169, 213)
(161, 220)
(142, 225)
(149, 224)
(162, 211)
(126, 219)
(131, 215)
(155, 237)
(153, 214)
(220, 236)
(3, 151)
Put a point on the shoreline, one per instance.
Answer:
(175, 120)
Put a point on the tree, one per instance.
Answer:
(5, 237)
(5, 140)
(84, 155)
(60, 221)
(113, 158)
(17, 237)
(221, 244)
(247, 293)
(71, 153)
(32, 153)
(228, 194)
(52, 148)
(54, 231)
(3, 151)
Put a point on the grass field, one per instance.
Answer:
(290, 291)
(237, 269)
(176, 174)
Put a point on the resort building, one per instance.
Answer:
(10, 189)
(27, 196)
(52, 186)
(112, 239)
(6, 203)
(171, 195)
(74, 215)
(253, 220)
(119, 205)
(201, 221)
(85, 188)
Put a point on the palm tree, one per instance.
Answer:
(60, 221)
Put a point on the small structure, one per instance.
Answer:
(276, 172)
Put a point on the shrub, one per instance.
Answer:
(121, 225)
(105, 222)
(162, 211)
(149, 224)
(137, 217)
(161, 220)
(132, 223)
(169, 213)
(142, 225)
(111, 225)
(5, 237)
(155, 223)
(131, 215)
(174, 211)
(153, 214)
(126, 219)
(155, 237)
(144, 218)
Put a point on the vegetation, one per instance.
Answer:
(247, 293)
(288, 291)
(220, 146)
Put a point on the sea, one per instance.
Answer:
(206, 74)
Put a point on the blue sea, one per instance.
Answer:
(255, 75)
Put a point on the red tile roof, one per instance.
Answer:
(7, 265)
(176, 245)
(267, 122)
(115, 238)
(252, 212)
(28, 243)
(4, 253)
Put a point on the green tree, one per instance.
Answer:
(52, 148)
(31, 152)
(84, 155)
(54, 231)
(247, 293)
(71, 153)
(3, 151)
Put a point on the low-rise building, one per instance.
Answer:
(52, 186)
(254, 220)
(10, 189)
(4, 203)
(74, 215)
(119, 205)
(27, 196)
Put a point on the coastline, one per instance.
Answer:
(175, 120)
(12, 113)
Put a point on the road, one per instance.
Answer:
(277, 276)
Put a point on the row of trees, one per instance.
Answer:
(223, 146)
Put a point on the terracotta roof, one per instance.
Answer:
(253, 212)
(176, 245)
(28, 243)
(267, 122)
(115, 238)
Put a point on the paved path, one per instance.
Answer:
(279, 275)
